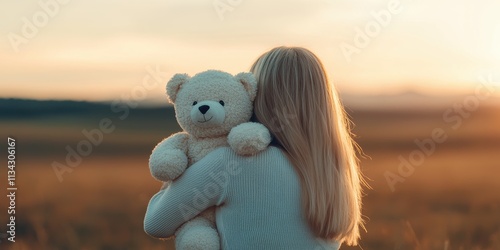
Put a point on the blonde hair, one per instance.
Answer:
(305, 116)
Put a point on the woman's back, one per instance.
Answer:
(257, 198)
(261, 206)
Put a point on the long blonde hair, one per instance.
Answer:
(303, 112)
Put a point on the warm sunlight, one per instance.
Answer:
(77, 51)
(85, 114)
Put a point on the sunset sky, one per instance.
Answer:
(100, 50)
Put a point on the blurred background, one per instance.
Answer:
(419, 79)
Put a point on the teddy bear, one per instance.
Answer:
(213, 108)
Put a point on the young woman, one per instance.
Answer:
(303, 192)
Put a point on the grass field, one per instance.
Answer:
(450, 201)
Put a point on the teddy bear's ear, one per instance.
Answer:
(249, 83)
(174, 85)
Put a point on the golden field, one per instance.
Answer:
(450, 201)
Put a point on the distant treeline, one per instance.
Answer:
(11, 108)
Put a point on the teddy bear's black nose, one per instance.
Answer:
(204, 108)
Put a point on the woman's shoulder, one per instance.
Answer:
(275, 152)
(224, 155)
(227, 152)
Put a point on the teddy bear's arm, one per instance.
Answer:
(249, 138)
(169, 158)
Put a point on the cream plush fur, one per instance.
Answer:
(213, 108)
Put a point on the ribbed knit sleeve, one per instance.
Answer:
(186, 197)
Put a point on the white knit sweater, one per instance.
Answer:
(257, 199)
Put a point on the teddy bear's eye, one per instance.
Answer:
(221, 102)
(195, 102)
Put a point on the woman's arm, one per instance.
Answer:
(193, 192)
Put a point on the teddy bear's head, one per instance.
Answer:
(210, 103)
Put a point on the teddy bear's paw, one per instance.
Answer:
(198, 238)
(249, 138)
(168, 165)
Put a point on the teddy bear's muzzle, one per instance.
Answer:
(208, 114)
